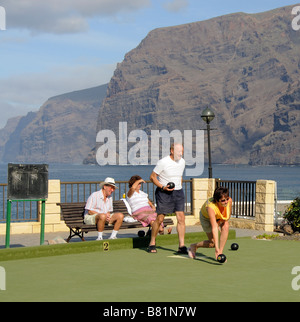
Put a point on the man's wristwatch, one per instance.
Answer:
(162, 188)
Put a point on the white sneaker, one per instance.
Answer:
(99, 238)
(113, 237)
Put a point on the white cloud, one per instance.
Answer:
(57, 60)
(176, 5)
(64, 16)
(28, 92)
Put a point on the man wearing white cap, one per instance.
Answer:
(99, 209)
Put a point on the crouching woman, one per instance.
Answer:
(214, 216)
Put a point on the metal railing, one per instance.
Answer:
(80, 191)
(243, 196)
(21, 211)
(3, 189)
(242, 193)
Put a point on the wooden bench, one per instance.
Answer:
(73, 213)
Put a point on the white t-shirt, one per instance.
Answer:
(170, 171)
(138, 200)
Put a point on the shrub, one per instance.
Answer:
(292, 214)
(267, 236)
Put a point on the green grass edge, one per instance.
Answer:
(98, 246)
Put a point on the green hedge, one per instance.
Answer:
(98, 246)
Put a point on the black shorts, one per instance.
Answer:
(168, 202)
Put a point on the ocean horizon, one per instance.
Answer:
(287, 177)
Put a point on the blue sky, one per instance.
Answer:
(54, 47)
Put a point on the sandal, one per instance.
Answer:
(152, 249)
(182, 250)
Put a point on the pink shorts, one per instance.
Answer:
(145, 215)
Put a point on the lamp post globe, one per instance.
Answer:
(207, 116)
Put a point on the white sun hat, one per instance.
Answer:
(108, 181)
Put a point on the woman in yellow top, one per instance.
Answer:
(214, 216)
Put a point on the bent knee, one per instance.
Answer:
(119, 215)
(226, 226)
(211, 244)
(180, 217)
(160, 219)
(101, 217)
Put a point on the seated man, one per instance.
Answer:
(99, 209)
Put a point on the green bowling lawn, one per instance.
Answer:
(258, 271)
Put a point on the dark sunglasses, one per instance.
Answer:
(223, 200)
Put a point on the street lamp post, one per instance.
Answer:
(207, 116)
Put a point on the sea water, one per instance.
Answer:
(287, 177)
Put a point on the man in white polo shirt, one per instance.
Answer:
(99, 209)
(169, 169)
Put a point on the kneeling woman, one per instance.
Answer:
(214, 216)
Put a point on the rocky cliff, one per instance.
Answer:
(245, 67)
(62, 131)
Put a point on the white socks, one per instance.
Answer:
(112, 236)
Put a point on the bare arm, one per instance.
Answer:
(214, 230)
(151, 204)
(132, 189)
(230, 208)
(153, 178)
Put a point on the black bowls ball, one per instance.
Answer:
(221, 258)
(141, 233)
(171, 185)
(234, 246)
